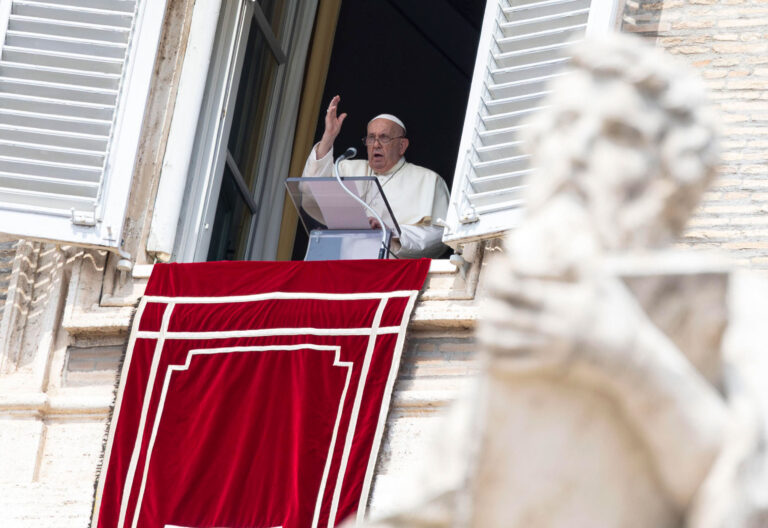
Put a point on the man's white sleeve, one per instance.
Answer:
(420, 241)
(315, 167)
(417, 241)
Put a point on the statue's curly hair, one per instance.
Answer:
(686, 150)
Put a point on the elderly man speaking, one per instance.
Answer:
(418, 196)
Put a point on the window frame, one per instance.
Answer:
(210, 145)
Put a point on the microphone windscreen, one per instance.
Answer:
(351, 152)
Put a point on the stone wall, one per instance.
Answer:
(61, 490)
(50, 434)
(727, 41)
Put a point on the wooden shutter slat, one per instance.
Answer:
(25, 182)
(536, 69)
(58, 92)
(500, 151)
(540, 39)
(34, 152)
(66, 124)
(525, 57)
(511, 119)
(500, 136)
(545, 23)
(59, 76)
(490, 202)
(52, 138)
(43, 10)
(523, 9)
(525, 89)
(499, 182)
(499, 166)
(69, 61)
(80, 46)
(44, 201)
(63, 59)
(26, 103)
(47, 168)
(79, 30)
(125, 6)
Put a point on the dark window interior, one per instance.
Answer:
(411, 58)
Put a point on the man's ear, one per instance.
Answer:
(404, 145)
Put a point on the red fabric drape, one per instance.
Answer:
(254, 393)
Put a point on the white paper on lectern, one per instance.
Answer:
(345, 215)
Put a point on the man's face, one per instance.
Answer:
(381, 157)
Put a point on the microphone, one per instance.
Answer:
(351, 152)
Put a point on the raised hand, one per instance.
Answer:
(333, 123)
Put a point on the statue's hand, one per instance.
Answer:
(550, 324)
(592, 330)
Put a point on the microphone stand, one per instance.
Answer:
(351, 152)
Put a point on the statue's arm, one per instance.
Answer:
(593, 331)
(679, 415)
(734, 494)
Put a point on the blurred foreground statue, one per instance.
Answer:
(625, 384)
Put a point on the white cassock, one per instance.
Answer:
(416, 195)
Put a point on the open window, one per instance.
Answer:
(462, 102)
(411, 59)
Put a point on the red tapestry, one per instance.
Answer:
(254, 394)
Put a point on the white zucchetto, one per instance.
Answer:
(390, 117)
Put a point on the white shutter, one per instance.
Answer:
(74, 77)
(521, 49)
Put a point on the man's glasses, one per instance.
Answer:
(384, 140)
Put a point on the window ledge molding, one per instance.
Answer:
(444, 314)
(41, 405)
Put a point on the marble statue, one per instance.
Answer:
(625, 381)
